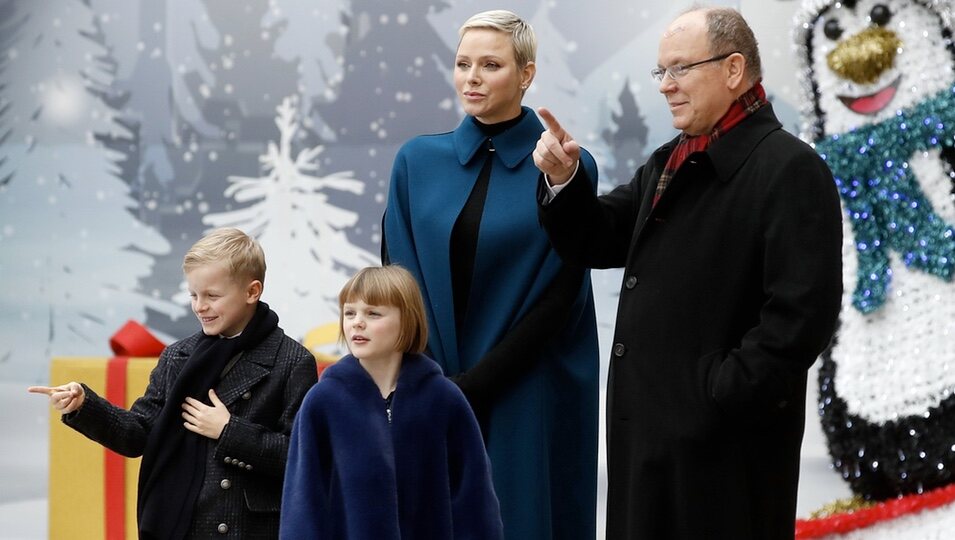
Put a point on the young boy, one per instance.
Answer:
(213, 426)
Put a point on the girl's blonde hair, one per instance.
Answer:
(389, 286)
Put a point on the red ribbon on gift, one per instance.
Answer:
(132, 340)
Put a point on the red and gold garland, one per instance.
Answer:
(844, 521)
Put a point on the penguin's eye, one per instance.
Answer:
(832, 29)
(880, 14)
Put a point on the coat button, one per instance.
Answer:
(631, 282)
(247, 395)
(222, 528)
(619, 349)
(248, 467)
(228, 461)
(225, 483)
(241, 464)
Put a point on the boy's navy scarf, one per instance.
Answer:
(174, 460)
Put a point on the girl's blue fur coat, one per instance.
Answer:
(352, 474)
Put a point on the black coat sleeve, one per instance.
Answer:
(124, 431)
(591, 231)
(519, 351)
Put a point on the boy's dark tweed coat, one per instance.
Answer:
(241, 494)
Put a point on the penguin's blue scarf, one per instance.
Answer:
(883, 199)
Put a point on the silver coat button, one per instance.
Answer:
(247, 395)
(619, 349)
(248, 467)
(631, 282)
(241, 464)
(225, 483)
(222, 528)
(228, 461)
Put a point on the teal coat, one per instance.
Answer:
(541, 433)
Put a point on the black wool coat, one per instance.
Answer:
(241, 494)
(731, 289)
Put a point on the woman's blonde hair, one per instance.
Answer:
(237, 251)
(394, 286)
(522, 35)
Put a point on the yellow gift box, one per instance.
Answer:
(89, 495)
(321, 341)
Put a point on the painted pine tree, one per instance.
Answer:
(314, 39)
(292, 212)
(555, 85)
(10, 21)
(627, 139)
(71, 253)
(225, 84)
(397, 71)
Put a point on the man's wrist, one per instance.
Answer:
(559, 182)
(554, 188)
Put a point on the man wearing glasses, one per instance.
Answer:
(730, 236)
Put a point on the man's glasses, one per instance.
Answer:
(679, 70)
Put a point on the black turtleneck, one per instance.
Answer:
(464, 235)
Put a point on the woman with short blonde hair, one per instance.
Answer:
(511, 324)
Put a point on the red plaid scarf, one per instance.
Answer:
(745, 105)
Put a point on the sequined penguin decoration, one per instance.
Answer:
(878, 77)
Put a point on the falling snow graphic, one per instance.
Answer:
(302, 232)
(100, 195)
(73, 254)
(314, 38)
(396, 69)
(555, 85)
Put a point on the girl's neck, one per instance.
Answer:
(383, 371)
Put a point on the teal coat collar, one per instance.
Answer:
(512, 146)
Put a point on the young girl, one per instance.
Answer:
(384, 445)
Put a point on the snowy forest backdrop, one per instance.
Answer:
(128, 129)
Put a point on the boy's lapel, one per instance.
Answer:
(251, 367)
